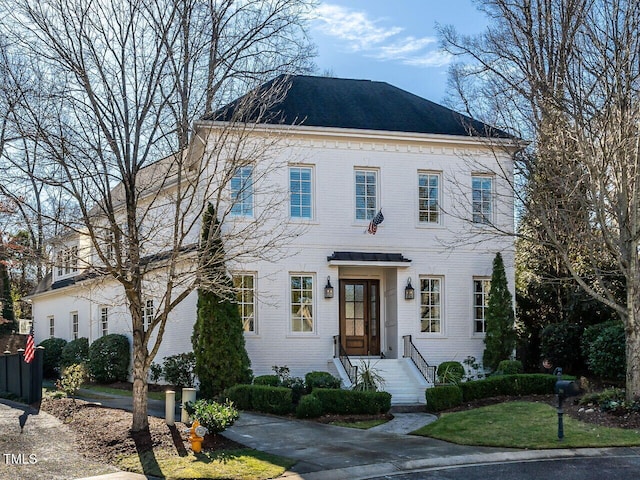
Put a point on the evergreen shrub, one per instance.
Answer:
(178, 369)
(109, 358)
(352, 401)
(52, 356)
(270, 380)
(512, 385)
(309, 406)
(216, 417)
(443, 397)
(510, 367)
(261, 398)
(560, 344)
(606, 353)
(75, 352)
(321, 380)
(450, 372)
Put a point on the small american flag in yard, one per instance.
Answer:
(29, 350)
(375, 221)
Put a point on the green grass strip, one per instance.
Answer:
(244, 464)
(523, 425)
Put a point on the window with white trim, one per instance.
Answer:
(301, 303)
(366, 189)
(75, 325)
(242, 192)
(301, 192)
(430, 304)
(148, 312)
(245, 298)
(104, 321)
(67, 260)
(481, 287)
(482, 198)
(429, 197)
(52, 326)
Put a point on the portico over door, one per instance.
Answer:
(360, 316)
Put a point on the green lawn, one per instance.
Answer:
(523, 425)
(245, 464)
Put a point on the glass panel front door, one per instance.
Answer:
(359, 316)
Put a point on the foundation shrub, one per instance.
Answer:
(240, 395)
(513, 385)
(109, 358)
(510, 367)
(268, 399)
(75, 352)
(321, 380)
(450, 372)
(343, 402)
(309, 406)
(270, 380)
(52, 355)
(443, 397)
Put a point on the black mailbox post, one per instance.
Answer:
(564, 389)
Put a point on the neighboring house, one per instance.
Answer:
(356, 148)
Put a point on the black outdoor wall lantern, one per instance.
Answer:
(328, 290)
(409, 292)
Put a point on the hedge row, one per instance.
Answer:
(441, 398)
(278, 400)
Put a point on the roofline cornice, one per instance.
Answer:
(374, 135)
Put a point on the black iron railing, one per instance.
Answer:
(340, 353)
(410, 351)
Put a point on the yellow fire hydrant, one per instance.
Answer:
(196, 436)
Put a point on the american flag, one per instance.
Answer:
(375, 221)
(30, 349)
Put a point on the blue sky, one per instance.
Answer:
(391, 41)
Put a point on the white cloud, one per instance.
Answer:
(372, 39)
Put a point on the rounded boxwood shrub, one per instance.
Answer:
(270, 380)
(321, 380)
(443, 397)
(52, 356)
(450, 372)
(109, 358)
(510, 367)
(75, 352)
(309, 406)
(178, 369)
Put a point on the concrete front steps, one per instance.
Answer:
(401, 378)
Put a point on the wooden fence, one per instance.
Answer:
(21, 378)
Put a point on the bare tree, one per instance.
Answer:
(130, 79)
(566, 73)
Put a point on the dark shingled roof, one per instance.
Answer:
(367, 257)
(358, 104)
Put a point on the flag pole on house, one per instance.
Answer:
(375, 221)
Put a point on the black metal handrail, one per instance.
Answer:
(340, 353)
(410, 351)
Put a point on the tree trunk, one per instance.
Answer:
(633, 340)
(140, 387)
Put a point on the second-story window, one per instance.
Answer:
(68, 260)
(148, 313)
(366, 194)
(242, 192)
(429, 198)
(301, 192)
(482, 198)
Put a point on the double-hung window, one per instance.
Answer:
(482, 198)
(301, 303)
(52, 326)
(242, 192)
(301, 192)
(366, 183)
(245, 298)
(481, 287)
(148, 312)
(429, 198)
(74, 325)
(430, 304)
(104, 321)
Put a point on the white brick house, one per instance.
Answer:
(358, 148)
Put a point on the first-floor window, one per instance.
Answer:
(301, 303)
(104, 321)
(481, 287)
(147, 313)
(430, 304)
(52, 326)
(74, 325)
(245, 298)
